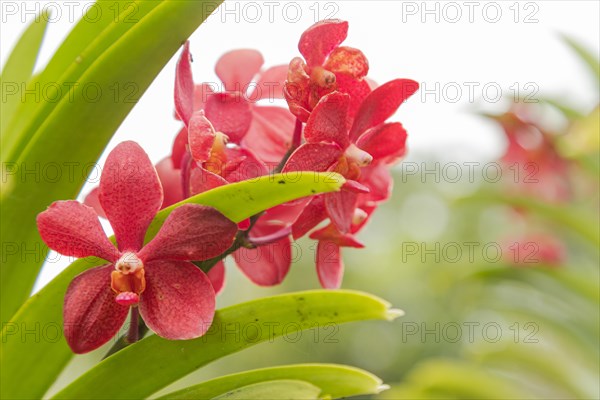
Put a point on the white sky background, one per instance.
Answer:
(400, 40)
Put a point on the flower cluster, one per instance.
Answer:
(336, 120)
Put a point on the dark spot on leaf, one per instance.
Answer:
(281, 182)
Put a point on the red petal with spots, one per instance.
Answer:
(229, 113)
(320, 39)
(310, 217)
(92, 200)
(73, 229)
(330, 233)
(270, 84)
(340, 208)
(191, 232)
(265, 265)
(381, 104)
(217, 276)
(170, 178)
(130, 194)
(202, 180)
(348, 60)
(327, 122)
(91, 315)
(313, 157)
(179, 300)
(379, 181)
(330, 267)
(201, 136)
(184, 85)
(270, 134)
(179, 147)
(237, 68)
(242, 164)
(357, 89)
(386, 142)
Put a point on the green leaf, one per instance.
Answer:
(586, 56)
(279, 389)
(23, 375)
(69, 134)
(266, 319)
(19, 67)
(333, 380)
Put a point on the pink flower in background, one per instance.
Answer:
(534, 250)
(175, 298)
(532, 159)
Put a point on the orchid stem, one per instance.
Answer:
(124, 340)
(133, 335)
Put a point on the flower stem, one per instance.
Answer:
(133, 335)
(124, 340)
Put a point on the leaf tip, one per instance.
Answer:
(382, 388)
(393, 313)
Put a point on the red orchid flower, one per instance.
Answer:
(264, 129)
(211, 160)
(175, 298)
(362, 154)
(327, 67)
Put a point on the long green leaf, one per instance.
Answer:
(280, 389)
(23, 375)
(333, 380)
(590, 60)
(71, 134)
(18, 69)
(265, 318)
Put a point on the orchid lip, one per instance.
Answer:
(129, 263)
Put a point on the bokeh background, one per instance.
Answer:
(498, 276)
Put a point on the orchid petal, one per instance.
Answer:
(237, 68)
(242, 164)
(179, 147)
(318, 41)
(381, 104)
(91, 314)
(130, 194)
(229, 113)
(269, 264)
(217, 276)
(201, 136)
(327, 122)
(340, 208)
(311, 216)
(170, 179)
(330, 267)
(192, 233)
(357, 89)
(347, 60)
(92, 200)
(184, 85)
(270, 134)
(202, 180)
(331, 234)
(386, 142)
(379, 181)
(270, 84)
(73, 229)
(313, 157)
(179, 300)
